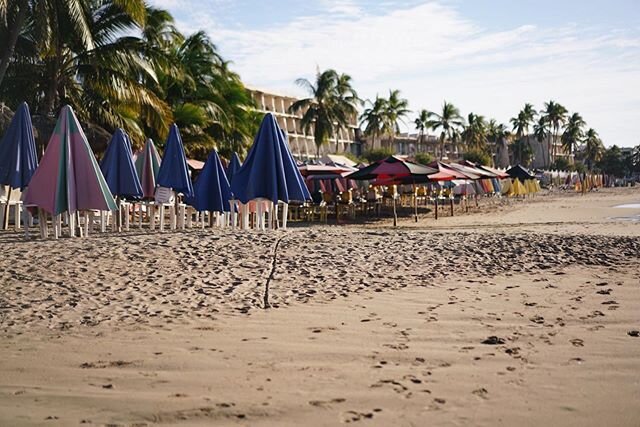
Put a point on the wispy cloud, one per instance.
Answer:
(430, 51)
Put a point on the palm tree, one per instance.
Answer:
(105, 84)
(373, 117)
(593, 148)
(49, 20)
(319, 111)
(500, 136)
(346, 104)
(572, 133)
(522, 152)
(423, 123)
(395, 111)
(474, 134)
(448, 120)
(541, 132)
(556, 115)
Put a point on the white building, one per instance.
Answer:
(302, 144)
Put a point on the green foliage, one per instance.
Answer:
(449, 121)
(561, 164)
(353, 157)
(580, 167)
(378, 154)
(522, 152)
(120, 63)
(478, 156)
(424, 158)
(613, 162)
(332, 103)
(382, 117)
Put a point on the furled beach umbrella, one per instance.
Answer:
(18, 159)
(234, 166)
(118, 168)
(68, 178)
(211, 189)
(147, 166)
(174, 172)
(269, 170)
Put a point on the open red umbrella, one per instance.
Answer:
(394, 170)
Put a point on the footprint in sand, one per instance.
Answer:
(577, 342)
(354, 416)
(481, 393)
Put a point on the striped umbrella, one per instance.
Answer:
(68, 178)
(147, 166)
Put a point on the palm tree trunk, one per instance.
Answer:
(52, 89)
(13, 38)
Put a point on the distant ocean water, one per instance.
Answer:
(632, 218)
(629, 206)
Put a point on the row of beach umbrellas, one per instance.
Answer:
(69, 178)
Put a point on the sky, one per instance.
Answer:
(488, 57)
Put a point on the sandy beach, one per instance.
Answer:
(519, 313)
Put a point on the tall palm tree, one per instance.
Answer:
(373, 118)
(48, 19)
(319, 111)
(423, 124)
(448, 120)
(500, 136)
(474, 134)
(573, 133)
(593, 148)
(522, 152)
(346, 104)
(556, 116)
(396, 109)
(540, 133)
(107, 84)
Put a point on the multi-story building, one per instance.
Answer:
(301, 143)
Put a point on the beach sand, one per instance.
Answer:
(518, 313)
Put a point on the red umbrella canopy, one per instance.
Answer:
(471, 173)
(448, 171)
(393, 170)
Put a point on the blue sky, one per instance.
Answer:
(485, 56)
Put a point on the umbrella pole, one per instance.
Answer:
(415, 202)
(5, 217)
(436, 207)
(395, 215)
(451, 203)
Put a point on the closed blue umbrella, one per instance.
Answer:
(18, 160)
(118, 168)
(174, 172)
(212, 190)
(269, 170)
(234, 166)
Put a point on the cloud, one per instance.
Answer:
(430, 51)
